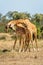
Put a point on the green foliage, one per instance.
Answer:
(2, 28)
(17, 15)
(38, 32)
(37, 19)
(42, 34)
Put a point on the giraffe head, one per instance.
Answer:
(6, 28)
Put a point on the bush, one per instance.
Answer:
(42, 34)
(38, 32)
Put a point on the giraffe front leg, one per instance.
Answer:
(15, 43)
(21, 46)
(36, 45)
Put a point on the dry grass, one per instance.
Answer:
(13, 57)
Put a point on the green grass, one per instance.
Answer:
(2, 29)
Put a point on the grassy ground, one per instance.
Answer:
(13, 57)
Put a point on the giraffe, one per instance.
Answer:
(31, 27)
(25, 38)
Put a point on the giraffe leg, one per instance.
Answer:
(24, 44)
(36, 44)
(29, 46)
(21, 46)
(15, 43)
(32, 44)
(19, 43)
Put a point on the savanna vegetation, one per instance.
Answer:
(37, 19)
(11, 57)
